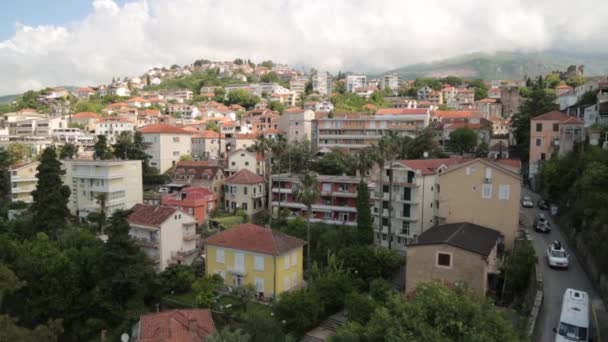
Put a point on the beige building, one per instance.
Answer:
(120, 180)
(206, 145)
(199, 174)
(23, 181)
(166, 234)
(481, 192)
(548, 137)
(458, 253)
(243, 159)
(297, 123)
(167, 144)
(244, 190)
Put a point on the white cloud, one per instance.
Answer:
(364, 35)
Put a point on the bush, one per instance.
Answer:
(300, 310)
(177, 279)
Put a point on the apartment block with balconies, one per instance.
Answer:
(165, 234)
(119, 180)
(23, 181)
(336, 205)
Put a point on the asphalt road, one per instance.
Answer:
(557, 281)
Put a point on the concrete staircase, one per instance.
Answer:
(326, 329)
(310, 338)
(398, 280)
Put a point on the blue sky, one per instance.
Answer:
(42, 12)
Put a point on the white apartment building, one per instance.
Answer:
(245, 160)
(178, 95)
(120, 180)
(321, 82)
(413, 202)
(298, 84)
(167, 144)
(324, 106)
(112, 127)
(390, 81)
(297, 123)
(23, 181)
(258, 89)
(165, 234)
(354, 82)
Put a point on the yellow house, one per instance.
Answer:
(252, 254)
(481, 192)
(23, 181)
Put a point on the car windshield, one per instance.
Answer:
(558, 254)
(572, 332)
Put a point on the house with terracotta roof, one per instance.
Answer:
(205, 174)
(183, 325)
(553, 132)
(246, 191)
(252, 254)
(413, 199)
(197, 202)
(206, 145)
(138, 102)
(482, 192)
(167, 144)
(85, 119)
(84, 92)
(112, 127)
(457, 253)
(562, 89)
(465, 97)
(166, 234)
(243, 159)
(435, 98)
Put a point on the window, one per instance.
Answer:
(286, 262)
(468, 170)
(245, 190)
(504, 191)
(219, 255)
(244, 206)
(246, 163)
(294, 258)
(437, 204)
(286, 282)
(384, 222)
(233, 164)
(259, 284)
(258, 261)
(438, 188)
(538, 142)
(488, 172)
(542, 156)
(539, 127)
(555, 127)
(486, 191)
(444, 260)
(385, 188)
(326, 187)
(384, 204)
(405, 228)
(239, 261)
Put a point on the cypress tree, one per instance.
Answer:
(364, 215)
(50, 207)
(102, 151)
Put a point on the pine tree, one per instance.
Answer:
(364, 214)
(102, 151)
(50, 207)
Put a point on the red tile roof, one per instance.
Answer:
(552, 116)
(294, 110)
(254, 238)
(117, 105)
(150, 215)
(85, 90)
(162, 129)
(573, 121)
(487, 100)
(455, 113)
(512, 163)
(137, 99)
(114, 119)
(402, 111)
(430, 166)
(149, 112)
(176, 326)
(252, 136)
(244, 176)
(86, 115)
(206, 134)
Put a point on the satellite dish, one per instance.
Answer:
(425, 154)
(124, 337)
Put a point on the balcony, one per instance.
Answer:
(333, 221)
(145, 242)
(345, 193)
(282, 190)
(20, 190)
(406, 199)
(191, 237)
(237, 271)
(23, 179)
(402, 216)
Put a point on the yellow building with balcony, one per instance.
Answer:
(23, 181)
(252, 254)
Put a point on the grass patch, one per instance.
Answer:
(252, 307)
(228, 221)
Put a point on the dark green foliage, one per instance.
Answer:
(431, 82)
(102, 150)
(68, 151)
(276, 106)
(480, 88)
(364, 215)
(452, 80)
(333, 163)
(482, 150)
(262, 328)
(243, 98)
(518, 270)
(424, 142)
(463, 140)
(177, 278)
(370, 262)
(300, 309)
(50, 209)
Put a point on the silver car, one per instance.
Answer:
(526, 202)
(557, 256)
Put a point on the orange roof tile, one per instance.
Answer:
(455, 113)
(251, 136)
(86, 115)
(137, 99)
(85, 90)
(162, 129)
(487, 100)
(430, 166)
(254, 238)
(206, 134)
(244, 176)
(150, 215)
(552, 116)
(183, 325)
(402, 111)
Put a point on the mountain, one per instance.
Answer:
(505, 65)
(8, 98)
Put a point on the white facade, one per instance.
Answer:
(297, 125)
(354, 82)
(321, 83)
(324, 106)
(120, 180)
(113, 127)
(120, 91)
(166, 148)
(390, 82)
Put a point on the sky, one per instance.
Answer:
(87, 42)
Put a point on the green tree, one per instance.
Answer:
(49, 208)
(270, 77)
(177, 278)
(5, 179)
(299, 310)
(482, 150)
(267, 64)
(452, 80)
(364, 214)
(102, 151)
(386, 152)
(263, 328)
(359, 307)
(228, 335)
(480, 88)
(518, 269)
(17, 152)
(424, 142)
(68, 151)
(244, 294)
(124, 141)
(206, 290)
(243, 98)
(88, 106)
(463, 140)
(276, 106)
(10, 331)
(212, 126)
(332, 163)
(308, 193)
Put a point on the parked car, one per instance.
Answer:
(526, 202)
(557, 256)
(163, 190)
(541, 224)
(542, 204)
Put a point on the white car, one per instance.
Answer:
(163, 190)
(557, 256)
(526, 202)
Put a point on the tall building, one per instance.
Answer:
(298, 84)
(390, 81)
(321, 83)
(167, 144)
(337, 204)
(354, 82)
(297, 123)
(119, 180)
(23, 181)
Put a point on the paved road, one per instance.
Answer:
(557, 281)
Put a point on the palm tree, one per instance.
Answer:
(363, 161)
(386, 151)
(278, 146)
(262, 146)
(308, 193)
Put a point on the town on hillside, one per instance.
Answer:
(244, 201)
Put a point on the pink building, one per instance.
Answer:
(197, 202)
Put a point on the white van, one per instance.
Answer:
(574, 319)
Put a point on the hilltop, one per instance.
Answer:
(504, 65)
